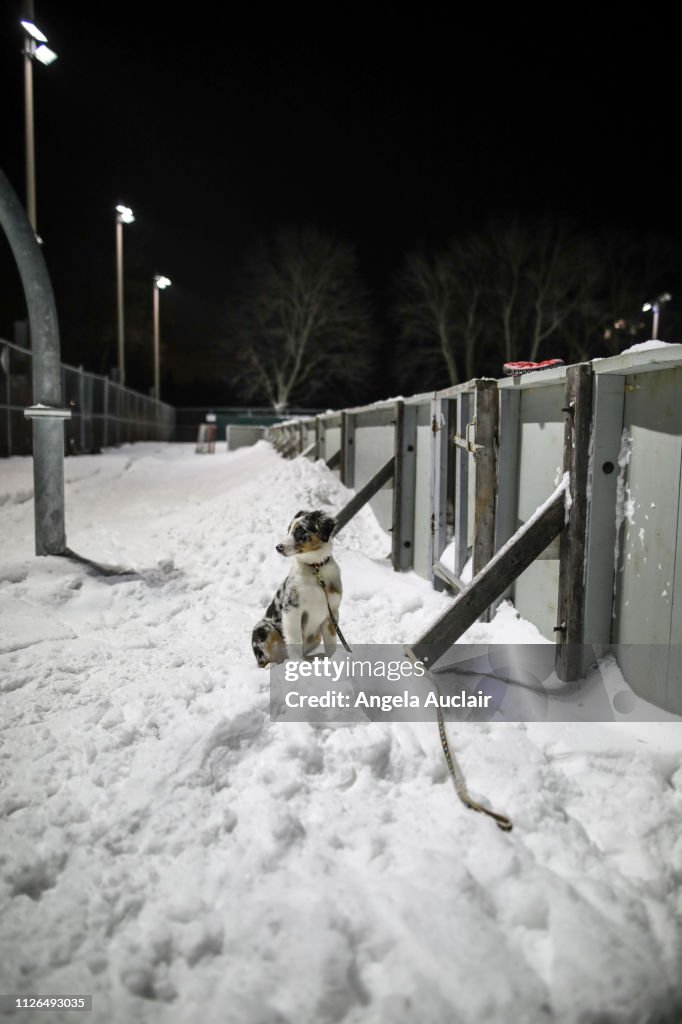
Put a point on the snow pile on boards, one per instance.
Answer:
(648, 346)
(166, 848)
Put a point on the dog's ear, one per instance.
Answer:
(301, 512)
(297, 516)
(327, 526)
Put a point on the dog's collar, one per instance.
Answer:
(318, 565)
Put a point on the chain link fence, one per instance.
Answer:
(102, 412)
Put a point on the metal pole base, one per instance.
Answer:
(48, 484)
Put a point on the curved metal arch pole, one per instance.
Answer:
(48, 431)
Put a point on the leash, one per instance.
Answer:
(501, 820)
(453, 767)
(316, 566)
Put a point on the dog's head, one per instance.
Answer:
(309, 536)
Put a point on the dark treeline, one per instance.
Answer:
(304, 331)
(298, 324)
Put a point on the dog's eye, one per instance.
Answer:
(300, 534)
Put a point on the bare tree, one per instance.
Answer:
(438, 309)
(470, 261)
(301, 319)
(547, 279)
(511, 291)
(423, 311)
(509, 246)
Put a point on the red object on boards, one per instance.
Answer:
(512, 369)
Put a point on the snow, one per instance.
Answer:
(167, 848)
(647, 346)
(447, 561)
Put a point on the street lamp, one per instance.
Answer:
(160, 282)
(124, 215)
(655, 308)
(34, 49)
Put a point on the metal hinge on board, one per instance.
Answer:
(435, 425)
(466, 442)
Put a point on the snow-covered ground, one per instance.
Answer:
(168, 849)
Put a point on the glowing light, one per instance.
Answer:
(162, 282)
(45, 55)
(33, 31)
(664, 297)
(125, 215)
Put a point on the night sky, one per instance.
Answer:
(388, 130)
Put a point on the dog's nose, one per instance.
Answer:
(280, 548)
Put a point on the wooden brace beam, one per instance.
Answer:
(508, 563)
(363, 496)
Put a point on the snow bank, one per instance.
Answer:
(168, 849)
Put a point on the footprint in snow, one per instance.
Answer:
(226, 742)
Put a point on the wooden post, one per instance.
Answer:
(461, 487)
(439, 484)
(290, 439)
(347, 472)
(403, 486)
(607, 427)
(486, 472)
(397, 483)
(507, 463)
(570, 629)
(319, 438)
(506, 520)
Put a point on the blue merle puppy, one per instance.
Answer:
(297, 618)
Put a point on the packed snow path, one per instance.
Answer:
(166, 848)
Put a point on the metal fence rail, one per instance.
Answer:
(103, 413)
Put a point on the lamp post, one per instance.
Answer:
(160, 282)
(124, 215)
(34, 49)
(655, 308)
